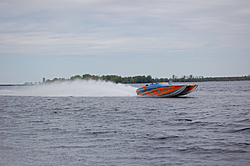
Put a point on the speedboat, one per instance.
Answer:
(165, 89)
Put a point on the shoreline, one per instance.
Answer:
(8, 85)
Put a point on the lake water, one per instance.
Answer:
(99, 123)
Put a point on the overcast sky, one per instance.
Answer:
(63, 38)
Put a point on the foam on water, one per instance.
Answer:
(88, 88)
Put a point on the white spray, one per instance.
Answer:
(88, 88)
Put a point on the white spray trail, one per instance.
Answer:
(88, 88)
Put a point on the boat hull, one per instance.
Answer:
(190, 88)
(164, 90)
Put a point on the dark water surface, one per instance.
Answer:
(210, 126)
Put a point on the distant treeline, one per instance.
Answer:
(147, 79)
(192, 78)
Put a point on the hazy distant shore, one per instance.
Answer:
(12, 84)
(136, 79)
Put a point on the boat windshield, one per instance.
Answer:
(165, 83)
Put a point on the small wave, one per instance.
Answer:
(247, 130)
(243, 121)
(164, 137)
(67, 147)
(198, 123)
(187, 120)
(100, 132)
(200, 150)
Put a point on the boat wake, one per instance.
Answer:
(88, 88)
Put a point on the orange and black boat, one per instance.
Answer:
(165, 89)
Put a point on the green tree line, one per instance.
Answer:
(192, 78)
(147, 79)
